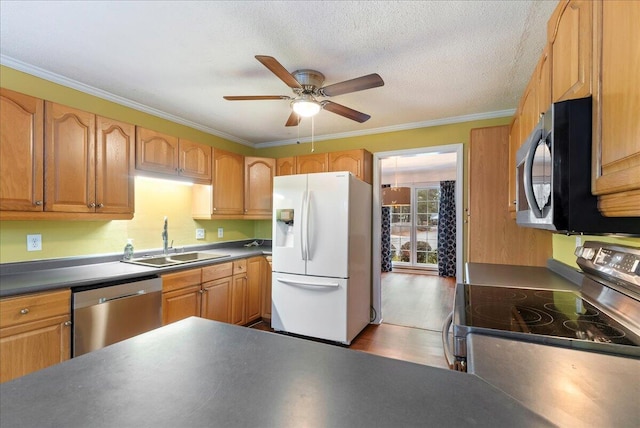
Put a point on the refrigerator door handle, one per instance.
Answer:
(303, 249)
(307, 211)
(308, 284)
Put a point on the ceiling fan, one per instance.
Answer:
(307, 86)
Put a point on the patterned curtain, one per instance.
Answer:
(385, 245)
(447, 229)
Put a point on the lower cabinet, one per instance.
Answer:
(266, 290)
(228, 292)
(35, 332)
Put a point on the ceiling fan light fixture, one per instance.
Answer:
(306, 107)
(396, 196)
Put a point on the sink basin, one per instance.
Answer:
(174, 259)
(195, 256)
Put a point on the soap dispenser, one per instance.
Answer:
(128, 250)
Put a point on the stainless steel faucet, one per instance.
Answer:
(165, 238)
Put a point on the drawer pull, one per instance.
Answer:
(24, 311)
(67, 323)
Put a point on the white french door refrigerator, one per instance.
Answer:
(321, 282)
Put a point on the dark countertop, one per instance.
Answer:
(570, 387)
(201, 373)
(524, 276)
(30, 277)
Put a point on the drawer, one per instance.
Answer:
(178, 280)
(217, 271)
(34, 307)
(240, 266)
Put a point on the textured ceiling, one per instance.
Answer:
(440, 60)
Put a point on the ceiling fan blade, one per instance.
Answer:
(255, 97)
(276, 68)
(358, 84)
(347, 112)
(293, 120)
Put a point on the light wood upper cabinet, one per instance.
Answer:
(164, 154)
(115, 162)
(359, 162)
(616, 145)
(21, 152)
(286, 166)
(514, 144)
(543, 81)
(307, 164)
(528, 110)
(493, 236)
(35, 332)
(69, 159)
(569, 33)
(156, 152)
(87, 171)
(228, 183)
(194, 161)
(258, 185)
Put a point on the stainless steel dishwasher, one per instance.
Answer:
(114, 312)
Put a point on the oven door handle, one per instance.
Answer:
(448, 354)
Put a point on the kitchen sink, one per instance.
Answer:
(174, 259)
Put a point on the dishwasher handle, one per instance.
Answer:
(102, 300)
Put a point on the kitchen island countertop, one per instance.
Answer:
(201, 373)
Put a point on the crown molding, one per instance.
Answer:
(87, 89)
(394, 128)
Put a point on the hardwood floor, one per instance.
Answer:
(418, 300)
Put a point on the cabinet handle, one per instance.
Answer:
(92, 205)
(100, 205)
(214, 208)
(67, 323)
(38, 203)
(24, 311)
(513, 202)
(202, 291)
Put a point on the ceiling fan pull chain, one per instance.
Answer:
(313, 122)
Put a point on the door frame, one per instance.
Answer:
(458, 148)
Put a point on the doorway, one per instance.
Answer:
(414, 226)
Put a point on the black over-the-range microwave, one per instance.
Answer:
(553, 176)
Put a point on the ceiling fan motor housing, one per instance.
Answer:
(310, 80)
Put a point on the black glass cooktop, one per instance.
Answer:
(544, 312)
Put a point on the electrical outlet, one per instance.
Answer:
(199, 233)
(220, 232)
(34, 242)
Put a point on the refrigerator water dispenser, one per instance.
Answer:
(284, 228)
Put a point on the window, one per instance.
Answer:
(414, 229)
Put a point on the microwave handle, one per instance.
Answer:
(533, 142)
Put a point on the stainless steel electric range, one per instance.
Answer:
(601, 314)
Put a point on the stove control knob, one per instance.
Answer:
(585, 252)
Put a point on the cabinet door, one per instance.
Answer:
(286, 166)
(216, 300)
(21, 152)
(115, 161)
(514, 145)
(238, 299)
(34, 346)
(570, 36)
(34, 332)
(266, 289)
(543, 81)
(616, 146)
(180, 304)
(307, 164)
(358, 162)
(228, 182)
(258, 185)
(528, 110)
(493, 236)
(70, 158)
(156, 152)
(255, 277)
(195, 161)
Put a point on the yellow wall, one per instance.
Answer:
(63, 239)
